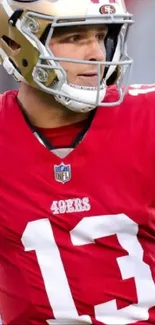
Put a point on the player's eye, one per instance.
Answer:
(74, 38)
(101, 36)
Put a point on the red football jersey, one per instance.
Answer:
(77, 235)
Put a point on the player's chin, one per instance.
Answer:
(87, 81)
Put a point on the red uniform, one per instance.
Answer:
(77, 235)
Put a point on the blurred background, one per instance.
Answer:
(141, 45)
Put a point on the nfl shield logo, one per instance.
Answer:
(62, 173)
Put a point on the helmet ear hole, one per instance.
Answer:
(10, 43)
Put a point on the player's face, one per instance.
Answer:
(80, 43)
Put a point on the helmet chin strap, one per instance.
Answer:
(79, 94)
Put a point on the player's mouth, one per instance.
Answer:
(89, 79)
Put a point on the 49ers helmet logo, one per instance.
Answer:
(107, 9)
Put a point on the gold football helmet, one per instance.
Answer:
(31, 24)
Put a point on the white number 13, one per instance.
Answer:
(38, 236)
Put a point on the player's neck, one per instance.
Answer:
(43, 111)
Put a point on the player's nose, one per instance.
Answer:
(95, 51)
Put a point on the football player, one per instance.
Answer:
(77, 168)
